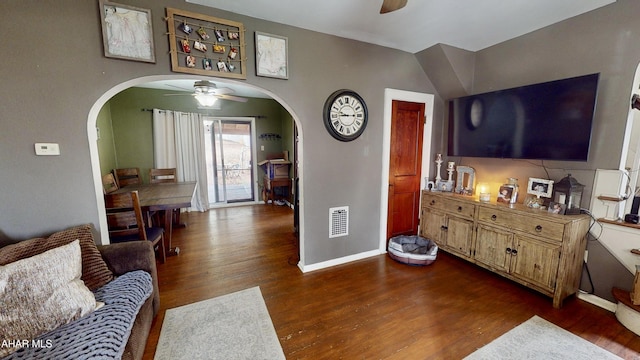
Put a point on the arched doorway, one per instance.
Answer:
(94, 154)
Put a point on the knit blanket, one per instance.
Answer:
(102, 334)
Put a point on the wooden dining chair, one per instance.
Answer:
(157, 176)
(126, 222)
(162, 176)
(127, 176)
(109, 183)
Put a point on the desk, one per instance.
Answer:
(164, 197)
(271, 184)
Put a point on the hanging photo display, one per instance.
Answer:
(206, 45)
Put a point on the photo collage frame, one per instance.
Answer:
(206, 45)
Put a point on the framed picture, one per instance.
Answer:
(211, 46)
(272, 56)
(505, 193)
(127, 32)
(540, 187)
(557, 208)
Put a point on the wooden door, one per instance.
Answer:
(407, 125)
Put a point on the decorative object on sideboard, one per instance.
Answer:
(509, 191)
(438, 166)
(484, 193)
(538, 189)
(447, 185)
(465, 180)
(568, 191)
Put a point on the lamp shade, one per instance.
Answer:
(568, 191)
(206, 99)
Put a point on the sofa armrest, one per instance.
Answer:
(134, 255)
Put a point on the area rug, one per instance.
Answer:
(537, 338)
(233, 326)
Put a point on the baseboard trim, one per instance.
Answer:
(339, 261)
(598, 301)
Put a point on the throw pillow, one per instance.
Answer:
(41, 293)
(95, 272)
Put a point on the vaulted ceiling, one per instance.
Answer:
(467, 24)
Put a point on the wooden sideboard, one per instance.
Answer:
(542, 251)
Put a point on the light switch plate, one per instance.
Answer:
(47, 149)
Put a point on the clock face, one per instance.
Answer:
(345, 115)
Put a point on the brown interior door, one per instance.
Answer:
(407, 125)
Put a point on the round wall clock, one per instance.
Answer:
(345, 115)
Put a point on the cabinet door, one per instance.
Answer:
(493, 247)
(431, 226)
(536, 261)
(458, 235)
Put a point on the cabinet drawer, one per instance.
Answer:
(449, 205)
(521, 222)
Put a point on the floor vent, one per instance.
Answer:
(338, 221)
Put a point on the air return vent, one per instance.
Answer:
(338, 221)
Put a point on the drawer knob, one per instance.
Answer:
(508, 250)
(433, 202)
(494, 217)
(538, 228)
(514, 252)
(459, 208)
(444, 228)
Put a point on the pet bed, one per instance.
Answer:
(412, 250)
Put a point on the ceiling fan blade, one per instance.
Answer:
(179, 87)
(232, 98)
(185, 94)
(224, 91)
(392, 5)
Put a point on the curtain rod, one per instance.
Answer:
(254, 116)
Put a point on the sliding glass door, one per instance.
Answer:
(229, 148)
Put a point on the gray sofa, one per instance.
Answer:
(123, 276)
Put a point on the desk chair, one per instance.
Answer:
(109, 184)
(127, 176)
(125, 222)
(162, 176)
(157, 176)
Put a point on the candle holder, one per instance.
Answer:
(438, 166)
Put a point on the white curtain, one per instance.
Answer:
(179, 138)
(164, 139)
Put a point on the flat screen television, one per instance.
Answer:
(546, 121)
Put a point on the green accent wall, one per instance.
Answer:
(132, 128)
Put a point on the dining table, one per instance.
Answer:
(164, 197)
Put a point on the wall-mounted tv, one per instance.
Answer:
(546, 121)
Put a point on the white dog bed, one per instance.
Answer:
(412, 250)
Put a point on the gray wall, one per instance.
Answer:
(55, 72)
(605, 41)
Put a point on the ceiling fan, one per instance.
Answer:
(207, 93)
(392, 5)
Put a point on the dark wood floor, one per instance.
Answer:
(370, 309)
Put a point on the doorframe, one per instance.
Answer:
(92, 137)
(254, 154)
(402, 95)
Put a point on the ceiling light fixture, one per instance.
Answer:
(206, 99)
